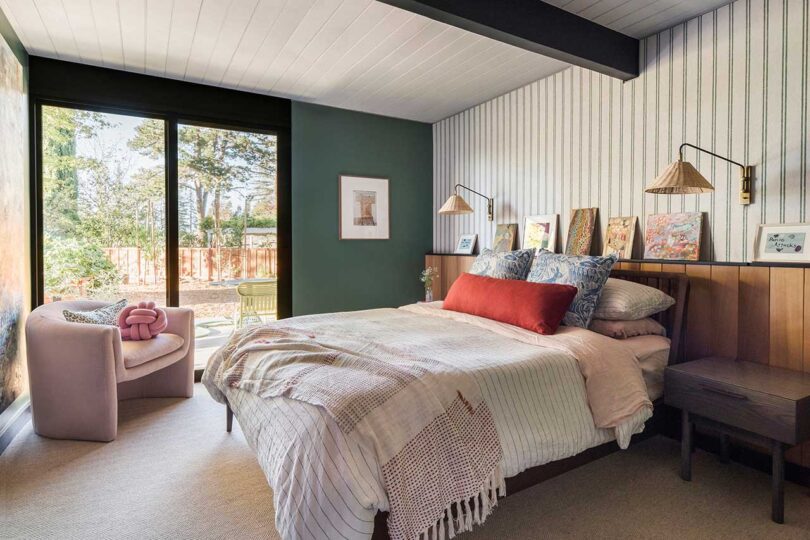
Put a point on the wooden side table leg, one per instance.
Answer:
(724, 448)
(686, 446)
(778, 482)
(228, 418)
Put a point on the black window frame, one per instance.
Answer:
(65, 84)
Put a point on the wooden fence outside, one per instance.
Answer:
(195, 263)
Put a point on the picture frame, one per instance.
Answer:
(540, 232)
(782, 242)
(619, 237)
(673, 237)
(505, 237)
(580, 231)
(363, 208)
(466, 244)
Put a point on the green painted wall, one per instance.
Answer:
(340, 275)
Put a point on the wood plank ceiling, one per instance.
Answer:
(355, 54)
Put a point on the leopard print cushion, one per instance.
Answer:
(105, 315)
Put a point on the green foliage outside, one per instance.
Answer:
(112, 193)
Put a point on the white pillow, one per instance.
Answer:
(623, 300)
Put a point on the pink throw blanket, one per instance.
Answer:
(142, 321)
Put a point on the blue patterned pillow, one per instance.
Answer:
(504, 265)
(587, 274)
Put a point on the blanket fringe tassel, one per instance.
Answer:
(468, 512)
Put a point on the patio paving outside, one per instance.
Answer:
(215, 305)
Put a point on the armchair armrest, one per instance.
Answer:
(181, 323)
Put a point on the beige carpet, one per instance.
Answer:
(175, 473)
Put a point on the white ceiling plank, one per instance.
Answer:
(158, 28)
(233, 31)
(82, 23)
(259, 27)
(330, 32)
(318, 17)
(108, 28)
(53, 17)
(132, 19)
(206, 36)
(33, 28)
(293, 12)
(185, 14)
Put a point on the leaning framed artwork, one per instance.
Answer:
(466, 244)
(782, 242)
(619, 237)
(540, 232)
(363, 208)
(673, 236)
(505, 237)
(580, 231)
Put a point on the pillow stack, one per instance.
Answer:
(625, 307)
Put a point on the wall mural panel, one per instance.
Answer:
(13, 223)
(734, 80)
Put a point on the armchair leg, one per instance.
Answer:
(228, 418)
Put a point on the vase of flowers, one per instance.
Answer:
(428, 275)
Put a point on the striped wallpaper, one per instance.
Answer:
(733, 80)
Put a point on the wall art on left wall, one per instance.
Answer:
(12, 223)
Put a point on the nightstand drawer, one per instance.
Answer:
(758, 412)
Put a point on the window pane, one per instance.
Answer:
(227, 214)
(104, 222)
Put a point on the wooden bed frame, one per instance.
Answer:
(675, 285)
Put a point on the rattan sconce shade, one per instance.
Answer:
(680, 178)
(455, 205)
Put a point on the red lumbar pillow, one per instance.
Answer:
(539, 307)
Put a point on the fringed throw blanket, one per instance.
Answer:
(426, 420)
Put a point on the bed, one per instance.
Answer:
(327, 484)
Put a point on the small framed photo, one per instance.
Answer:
(466, 244)
(363, 208)
(782, 242)
(540, 232)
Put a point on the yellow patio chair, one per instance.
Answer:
(257, 298)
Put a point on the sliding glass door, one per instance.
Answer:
(228, 230)
(103, 205)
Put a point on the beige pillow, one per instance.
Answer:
(627, 329)
(623, 300)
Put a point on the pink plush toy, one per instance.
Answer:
(143, 321)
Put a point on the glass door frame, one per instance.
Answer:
(171, 122)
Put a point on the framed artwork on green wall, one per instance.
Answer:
(363, 208)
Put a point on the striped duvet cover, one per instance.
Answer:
(328, 486)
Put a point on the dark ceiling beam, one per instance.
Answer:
(537, 27)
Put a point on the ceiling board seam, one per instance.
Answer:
(47, 30)
(238, 43)
(193, 38)
(259, 48)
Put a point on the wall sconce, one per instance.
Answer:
(681, 177)
(456, 204)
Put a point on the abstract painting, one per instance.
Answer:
(363, 208)
(580, 231)
(13, 134)
(619, 237)
(505, 236)
(673, 236)
(540, 232)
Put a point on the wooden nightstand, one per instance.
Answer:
(761, 404)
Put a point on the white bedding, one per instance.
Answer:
(327, 486)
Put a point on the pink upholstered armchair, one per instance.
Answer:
(78, 372)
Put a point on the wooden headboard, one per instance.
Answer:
(673, 319)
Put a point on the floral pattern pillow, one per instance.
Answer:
(587, 274)
(504, 265)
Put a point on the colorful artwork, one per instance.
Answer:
(12, 222)
(673, 236)
(466, 244)
(540, 232)
(619, 237)
(580, 231)
(505, 236)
